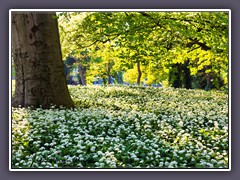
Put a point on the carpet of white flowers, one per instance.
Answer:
(125, 127)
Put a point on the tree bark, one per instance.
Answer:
(139, 73)
(40, 79)
(120, 77)
(82, 74)
(175, 75)
(187, 75)
(109, 73)
(208, 80)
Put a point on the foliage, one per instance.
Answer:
(130, 75)
(157, 40)
(104, 62)
(125, 127)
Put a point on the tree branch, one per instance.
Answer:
(202, 45)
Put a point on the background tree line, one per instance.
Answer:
(179, 49)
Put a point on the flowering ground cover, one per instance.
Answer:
(125, 127)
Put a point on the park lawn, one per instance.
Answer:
(125, 127)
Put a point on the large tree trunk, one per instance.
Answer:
(40, 79)
(139, 73)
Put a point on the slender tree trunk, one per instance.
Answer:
(109, 73)
(120, 77)
(139, 73)
(109, 79)
(82, 72)
(208, 80)
(175, 75)
(40, 79)
(187, 75)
